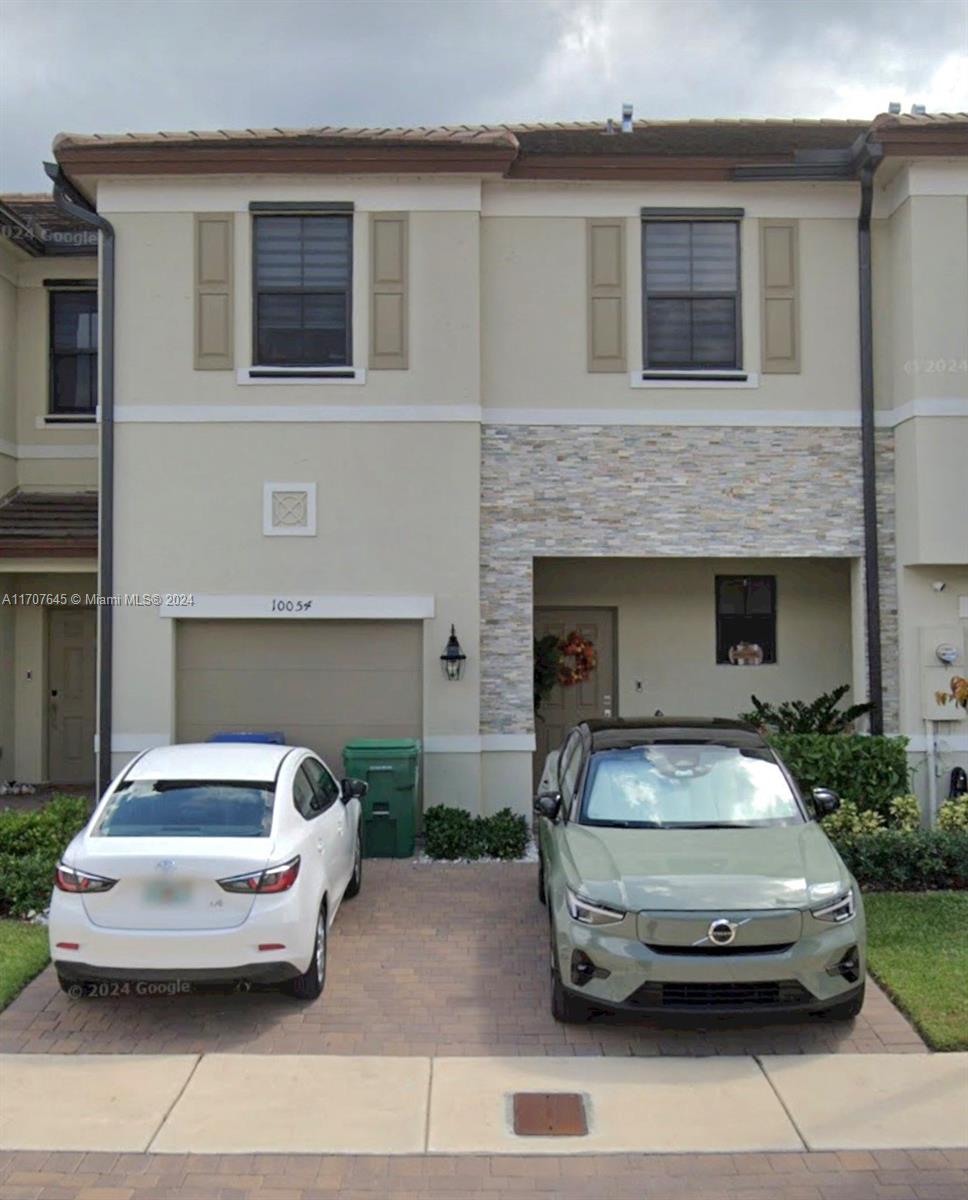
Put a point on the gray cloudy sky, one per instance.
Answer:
(113, 65)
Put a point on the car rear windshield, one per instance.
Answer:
(188, 808)
(688, 785)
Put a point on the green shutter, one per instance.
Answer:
(389, 263)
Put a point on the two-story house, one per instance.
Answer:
(695, 390)
(48, 491)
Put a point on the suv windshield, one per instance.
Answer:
(188, 808)
(687, 785)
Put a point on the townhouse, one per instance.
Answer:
(696, 390)
(48, 491)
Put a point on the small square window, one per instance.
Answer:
(745, 620)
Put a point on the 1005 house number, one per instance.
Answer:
(282, 605)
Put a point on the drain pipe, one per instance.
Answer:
(71, 202)
(872, 589)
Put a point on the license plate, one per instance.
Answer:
(168, 893)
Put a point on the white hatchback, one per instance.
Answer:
(211, 862)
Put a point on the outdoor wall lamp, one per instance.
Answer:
(453, 658)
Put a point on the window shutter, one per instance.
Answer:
(389, 324)
(779, 289)
(214, 253)
(606, 295)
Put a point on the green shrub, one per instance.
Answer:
(893, 860)
(505, 834)
(31, 844)
(953, 814)
(904, 812)
(868, 771)
(452, 833)
(849, 822)
(795, 716)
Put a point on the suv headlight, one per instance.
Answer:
(586, 913)
(837, 911)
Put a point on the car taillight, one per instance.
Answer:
(70, 879)
(273, 879)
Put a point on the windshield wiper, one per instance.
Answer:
(631, 824)
(710, 825)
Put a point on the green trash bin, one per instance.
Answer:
(391, 768)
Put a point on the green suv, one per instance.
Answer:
(684, 873)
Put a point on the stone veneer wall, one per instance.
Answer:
(649, 491)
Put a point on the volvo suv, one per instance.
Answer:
(685, 873)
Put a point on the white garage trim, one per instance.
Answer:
(470, 743)
(289, 607)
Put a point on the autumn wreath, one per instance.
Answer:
(578, 659)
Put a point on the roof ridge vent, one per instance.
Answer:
(894, 108)
(627, 125)
(918, 110)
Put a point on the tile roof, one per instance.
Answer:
(51, 524)
(708, 148)
(34, 221)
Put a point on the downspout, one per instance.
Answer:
(71, 202)
(872, 590)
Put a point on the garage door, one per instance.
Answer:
(320, 682)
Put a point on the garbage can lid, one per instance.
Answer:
(384, 745)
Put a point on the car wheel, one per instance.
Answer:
(564, 1006)
(541, 882)
(847, 1010)
(310, 984)
(356, 879)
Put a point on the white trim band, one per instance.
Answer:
(471, 743)
(134, 743)
(218, 414)
(13, 450)
(944, 743)
(286, 606)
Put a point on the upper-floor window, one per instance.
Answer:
(303, 290)
(691, 295)
(73, 352)
(746, 619)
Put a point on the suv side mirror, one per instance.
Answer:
(353, 789)
(548, 804)
(825, 801)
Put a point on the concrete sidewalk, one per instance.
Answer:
(325, 1104)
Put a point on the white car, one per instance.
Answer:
(209, 862)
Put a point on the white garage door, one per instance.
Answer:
(320, 682)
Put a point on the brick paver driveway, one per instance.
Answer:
(849, 1175)
(429, 959)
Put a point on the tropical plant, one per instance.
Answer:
(869, 771)
(796, 716)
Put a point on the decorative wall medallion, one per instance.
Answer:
(289, 509)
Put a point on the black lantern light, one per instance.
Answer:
(453, 658)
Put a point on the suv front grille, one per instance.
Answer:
(720, 995)
(719, 951)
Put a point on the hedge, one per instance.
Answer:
(31, 844)
(895, 860)
(452, 833)
(868, 771)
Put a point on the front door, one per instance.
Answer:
(594, 697)
(71, 664)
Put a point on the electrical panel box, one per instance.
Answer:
(942, 656)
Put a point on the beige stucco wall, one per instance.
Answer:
(534, 311)
(397, 515)
(155, 318)
(932, 513)
(667, 629)
(34, 455)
